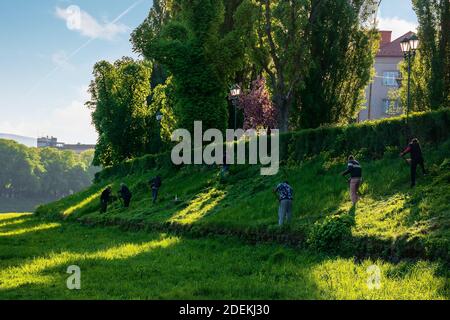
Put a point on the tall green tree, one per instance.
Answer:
(430, 85)
(201, 60)
(313, 60)
(160, 14)
(419, 89)
(341, 57)
(274, 31)
(120, 112)
(163, 101)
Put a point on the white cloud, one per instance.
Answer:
(70, 123)
(81, 21)
(21, 129)
(398, 26)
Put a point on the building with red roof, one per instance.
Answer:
(378, 104)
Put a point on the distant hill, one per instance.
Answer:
(29, 142)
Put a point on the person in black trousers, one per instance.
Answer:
(125, 194)
(416, 159)
(104, 199)
(155, 184)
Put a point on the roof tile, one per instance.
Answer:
(393, 49)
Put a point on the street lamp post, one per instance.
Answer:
(235, 92)
(409, 47)
(159, 118)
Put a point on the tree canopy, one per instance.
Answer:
(120, 112)
(201, 60)
(317, 65)
(316, 58)
(430, 72)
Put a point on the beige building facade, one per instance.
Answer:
(379, 102)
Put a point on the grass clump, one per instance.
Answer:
(333, 234)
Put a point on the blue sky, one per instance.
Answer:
(48, 49)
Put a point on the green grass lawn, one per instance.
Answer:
(35, 255)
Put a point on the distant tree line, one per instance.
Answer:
(42, 172)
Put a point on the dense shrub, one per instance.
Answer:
(374, 136)
(373, 139)
(136, 166)
(332, 234)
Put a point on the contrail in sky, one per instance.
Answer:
(84, 45)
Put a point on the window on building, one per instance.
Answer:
(390, 78)
(392, 107)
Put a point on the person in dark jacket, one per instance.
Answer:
(416, 159)
(125, 194)
(285, 198)
(104, 199)
(155, 184)
(355, 171)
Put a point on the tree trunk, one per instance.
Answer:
(282, 106)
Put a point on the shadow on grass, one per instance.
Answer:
(117, 265)
(8, 218)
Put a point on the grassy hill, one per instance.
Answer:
(392, 221)
(228, 227)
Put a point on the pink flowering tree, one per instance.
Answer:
(257, 106)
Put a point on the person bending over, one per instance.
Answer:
(285, 197)
(125, 194)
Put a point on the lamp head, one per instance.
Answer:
(405, 45)
(235, 91)
(413, 42)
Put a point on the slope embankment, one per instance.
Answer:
(392, 221)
